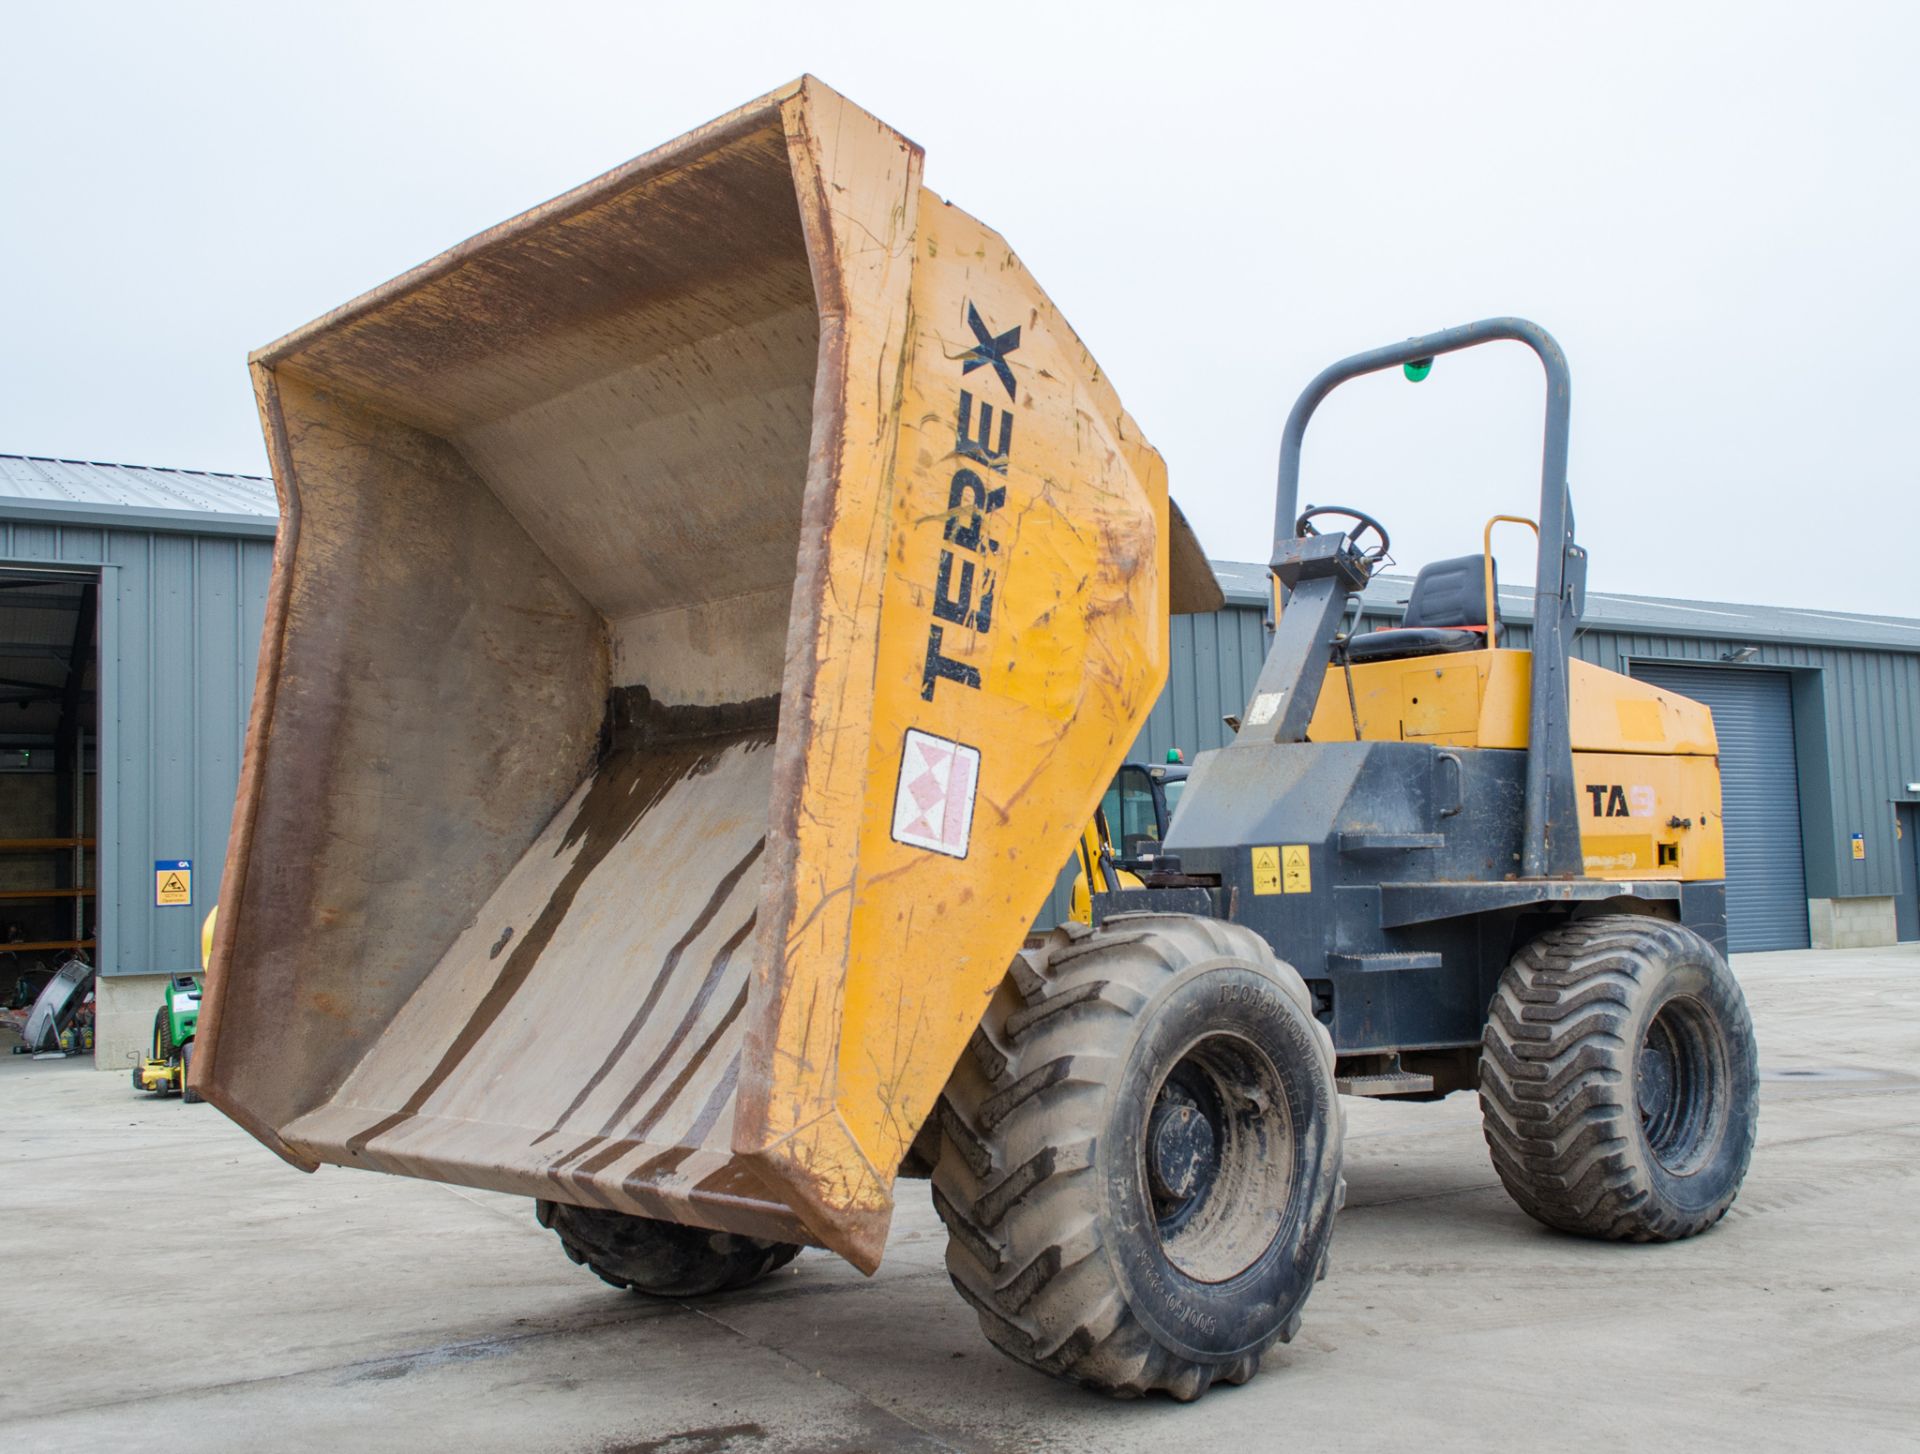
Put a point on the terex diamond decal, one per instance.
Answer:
(933, 806)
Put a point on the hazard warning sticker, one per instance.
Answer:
(172, 882)
(933, 805)
(1282, 868)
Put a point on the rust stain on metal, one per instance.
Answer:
(650, 748)
(715, 970)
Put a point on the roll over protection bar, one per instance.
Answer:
(1550, 846)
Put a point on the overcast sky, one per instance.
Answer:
(1715, 208)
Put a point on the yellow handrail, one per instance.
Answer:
(1486, 557)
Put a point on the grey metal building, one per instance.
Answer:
(130, 608)
(1818, 715)
(131, 601)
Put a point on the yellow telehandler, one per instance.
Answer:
(1140, 800)
(709, 606)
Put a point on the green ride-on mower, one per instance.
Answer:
(166, 1068)
(164, 1071)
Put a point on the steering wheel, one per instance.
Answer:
(1362, 522)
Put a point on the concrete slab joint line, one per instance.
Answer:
(1791, 1326)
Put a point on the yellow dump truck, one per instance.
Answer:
(707, 610)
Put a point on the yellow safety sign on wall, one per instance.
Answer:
(1282, 870)
(172, 882)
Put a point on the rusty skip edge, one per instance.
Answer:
(743, 121)
(246, 803)
(854, 1226)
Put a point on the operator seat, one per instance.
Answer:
(1447, 611)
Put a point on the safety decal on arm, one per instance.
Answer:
(933, 804)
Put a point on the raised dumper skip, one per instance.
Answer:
(706, 609)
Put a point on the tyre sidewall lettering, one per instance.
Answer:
(1211, 1321)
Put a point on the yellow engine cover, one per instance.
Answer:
(1645, 760)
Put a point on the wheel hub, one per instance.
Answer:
(1653, 1081)
(1674, 1075)
(1217, 1157)
(1183, 1151)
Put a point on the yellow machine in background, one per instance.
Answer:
(1645, 761)
(1097, 872)
(1141, 800)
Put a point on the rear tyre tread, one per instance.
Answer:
(1557, 1093)
(660, 1259)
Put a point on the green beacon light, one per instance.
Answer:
(1417, 370)
(1173, 755)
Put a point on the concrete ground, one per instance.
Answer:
(173, 1286)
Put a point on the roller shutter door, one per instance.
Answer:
(1760, 795)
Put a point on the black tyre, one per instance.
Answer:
(1139, 1165)
(1619, 1083)
(662, 1259)
(187, 1093)
(162, 1049)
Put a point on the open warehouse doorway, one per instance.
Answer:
(49, 798)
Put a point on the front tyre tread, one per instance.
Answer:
(1018, 1180)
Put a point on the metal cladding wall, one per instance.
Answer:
(180, 617)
